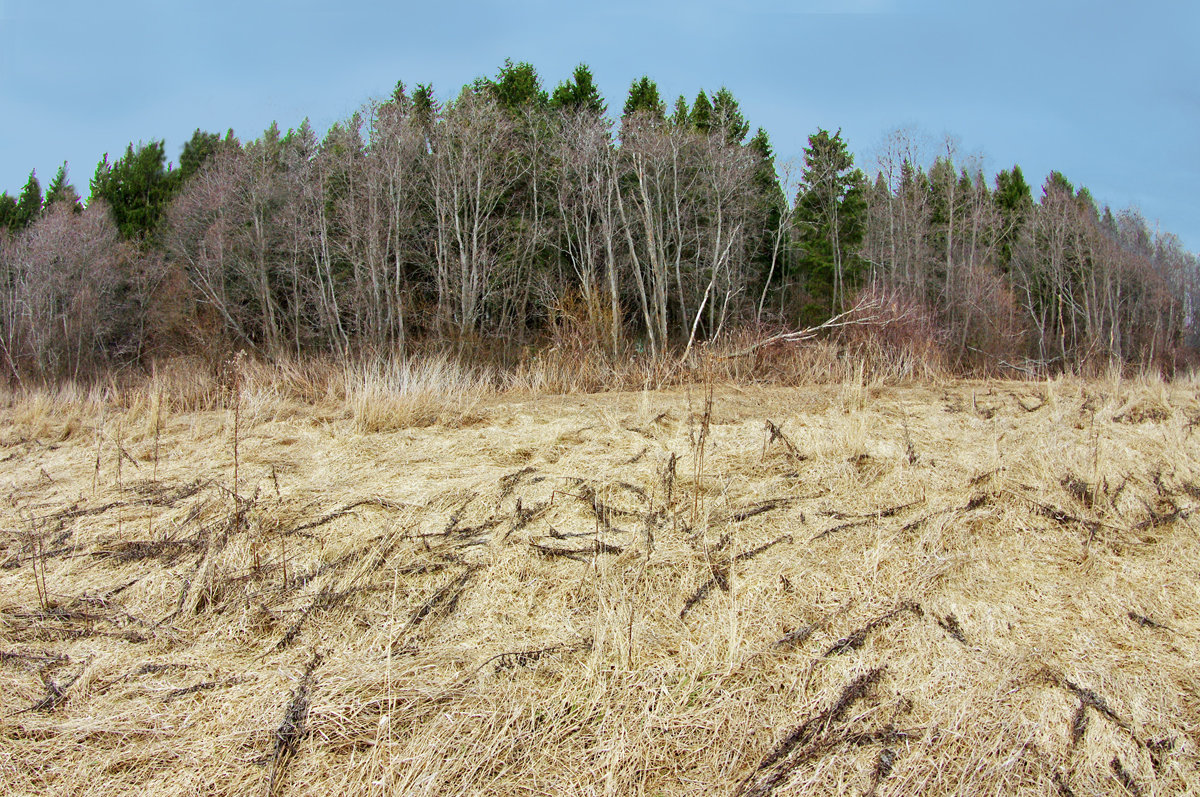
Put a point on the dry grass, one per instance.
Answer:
(396, 394)
(938, 588)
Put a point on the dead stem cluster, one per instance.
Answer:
(940, 588)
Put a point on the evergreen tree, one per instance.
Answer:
(701, 116)
(515, 86)
(400, 95)
(1087, 203)
(944, 205)
(728, 117)
(1057, 181)
(8, 212)
(643, 96)
(579, 93)
(60, 190)
(830, 215)
(770, 243)
(137, 188)
(1014, 200)
(424, 106)
(30, 204)
(196, 151)
(681, 116)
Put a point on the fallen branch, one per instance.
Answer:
(865, 314)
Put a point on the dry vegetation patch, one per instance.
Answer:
(948, 588)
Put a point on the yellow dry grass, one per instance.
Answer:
(939, 588)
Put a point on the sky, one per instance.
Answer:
(1105, 91)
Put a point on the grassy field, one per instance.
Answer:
(936, 588)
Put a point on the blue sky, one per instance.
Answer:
(1106, 92)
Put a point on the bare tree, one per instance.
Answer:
(588, 219)
(60, 310)
(475, 165)
(656, 215)
(725, 199)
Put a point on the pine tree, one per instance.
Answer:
(643, 97)
(425, 105)
(515, 86)
(830, 216)
(8, 213)
(30, 204)
(199, 148)
(681, 116)
(61, 191)
(701, 116)
(579, 93)
(400, 95)
(1014, 200)
(771, 204)
(728, 117)
(137, 188)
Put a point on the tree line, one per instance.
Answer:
(511, 216)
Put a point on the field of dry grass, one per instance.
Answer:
(938, 588)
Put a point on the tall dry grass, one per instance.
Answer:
(382, 391)
(384, 395)
(855, 587)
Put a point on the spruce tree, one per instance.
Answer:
(8, 213)
(515, 86)
(681, 116)
(199, 148)
(400, 94)
(643, 97)
(769, 243)
(61, 191)
(579, 93)
(1014, 200)
(701, 116)
(728, 117)
(830, 216)
(1057, 181)
(137, 188)
(30, 204)
(425, 105)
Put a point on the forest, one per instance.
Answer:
(511, 219)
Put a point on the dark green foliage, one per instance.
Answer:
(701, 116)
(1057, 181)
(965, 184)
(8, 212)
(29, 205)
(770, 242)
(516, 86)
(137, 188)
(579, 93)
(1012, 192)
(424, 104)
(943, 186)
(681, 116)
(766, 181)
(61, 191)
(643, 97)
(765, 178)
(830, 215)
(196, 151)
(1014, 200)
(727, 116)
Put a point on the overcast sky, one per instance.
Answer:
(1106, 92)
